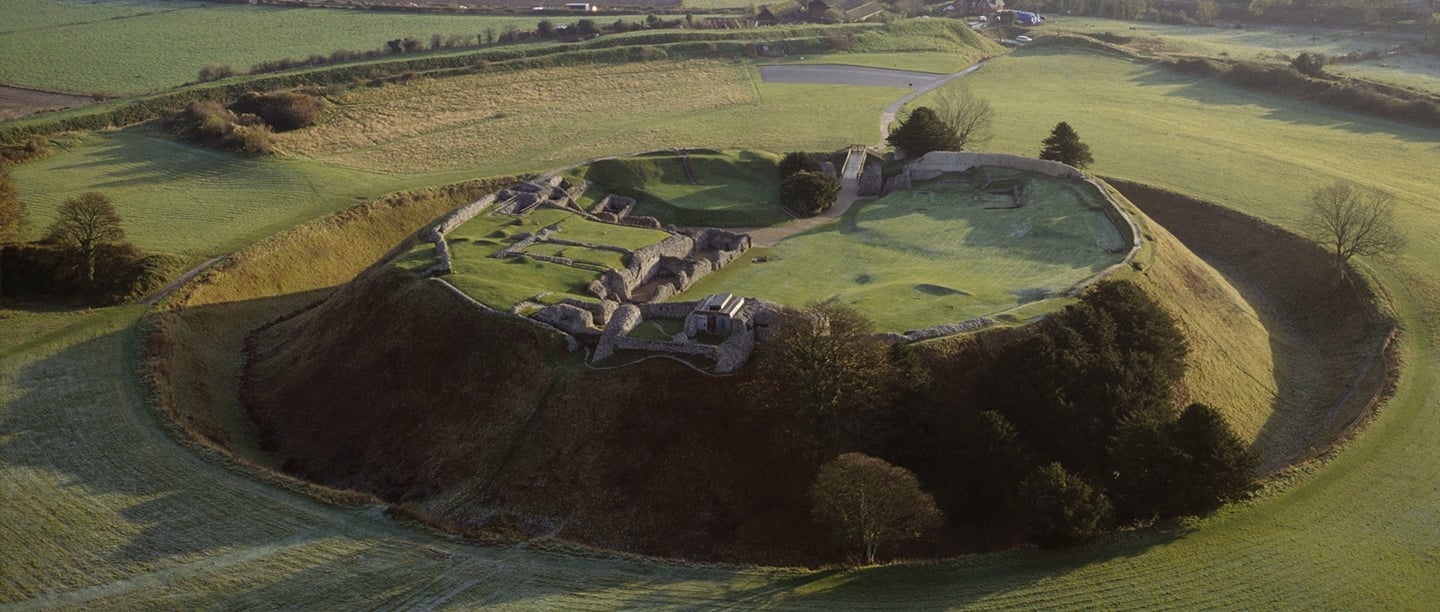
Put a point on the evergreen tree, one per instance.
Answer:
(1217, 466)
(1064, 146)
(797, 161)
(1061, 508)
(11, 212)
(809, 193)
(922, 132)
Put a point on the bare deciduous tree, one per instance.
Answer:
(966, 113)
(1352, 220)
(86, 222)
(867, 502)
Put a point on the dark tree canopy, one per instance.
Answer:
(1216, 468)
(84, 223)
(1114, 356)
(809, 193)
(1352, 220)
(866, 503)
(825, 375)
(1063, 145)
(922, 132)
(797, 161)
(1062, 509)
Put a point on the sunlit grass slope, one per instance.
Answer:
(507, 122)
(942, 252)
(180, 198)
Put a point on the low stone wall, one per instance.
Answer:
(668, 310)
(1129, 233)
(937, 163)
(570, 319)
(947, 329)
(872, 181)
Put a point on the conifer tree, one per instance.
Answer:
(1064, 146)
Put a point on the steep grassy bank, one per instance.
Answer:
(1327, 333)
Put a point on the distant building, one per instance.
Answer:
(980, 7)
(582, 7)
(715, 315)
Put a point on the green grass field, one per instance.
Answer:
(502, 283)
(1405, 67)
(505, 123)
(940, 253)
(111, 48)
(99, 508)
(179, 198)
(735, 188)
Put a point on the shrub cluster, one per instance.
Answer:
(211, 124)
(247, 124)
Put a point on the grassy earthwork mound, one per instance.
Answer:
(731, 189)
(941, 252)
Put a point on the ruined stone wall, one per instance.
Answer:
(621, 284)
(668, 310)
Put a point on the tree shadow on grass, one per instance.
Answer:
(1211, 92)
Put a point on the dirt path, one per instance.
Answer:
(151, 299)
(919, 82)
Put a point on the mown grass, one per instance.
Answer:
(75, 47)
(1406, 67)
(502, 283)
(940, 253)
(503, 123)
(734, 188)
(144, 523)
(180, 198)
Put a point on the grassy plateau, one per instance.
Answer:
(100, 508)
(940, 253)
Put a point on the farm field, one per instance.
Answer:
(179, 198)
(735, 188)
(941, 253)
(1406, 67)
(505, 123)
(502, 283)
(77, 47)
(135, 520)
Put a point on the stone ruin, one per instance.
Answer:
(750, 323)
(658, 271)
(652, 273)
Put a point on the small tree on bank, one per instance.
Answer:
(1352, 220)
(922, 132)
(1064, 146)
(84, 223)
(809, 193)
(968, 115)
(866, 503)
